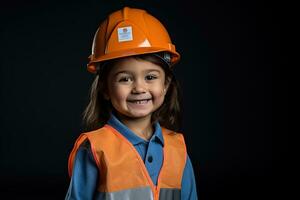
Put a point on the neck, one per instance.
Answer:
(142, 127)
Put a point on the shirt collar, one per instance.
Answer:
(132, 137)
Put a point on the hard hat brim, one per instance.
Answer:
(175, 57)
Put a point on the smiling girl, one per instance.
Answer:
(132, 149)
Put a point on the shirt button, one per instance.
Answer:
(150, 159)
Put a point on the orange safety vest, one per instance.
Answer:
(123, 174)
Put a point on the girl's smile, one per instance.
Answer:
(139, 104)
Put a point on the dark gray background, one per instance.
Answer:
(235, 91)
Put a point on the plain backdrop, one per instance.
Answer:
(234, 91)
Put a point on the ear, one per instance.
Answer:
(167, 84)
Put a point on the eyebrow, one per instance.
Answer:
(130, 72)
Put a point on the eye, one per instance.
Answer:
(150, 77)
(125, 79)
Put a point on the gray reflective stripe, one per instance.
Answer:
(169, 194)
(144, 193)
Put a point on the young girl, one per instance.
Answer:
(132, 150)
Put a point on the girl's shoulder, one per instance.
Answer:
(100, 131)
(167, 131)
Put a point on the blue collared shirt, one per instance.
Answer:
(83, 182)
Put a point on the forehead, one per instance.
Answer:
(134, 65)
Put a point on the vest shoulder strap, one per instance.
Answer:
(175, 155)
(82, 137)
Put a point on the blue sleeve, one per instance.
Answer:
(84, 176)
(188, 184)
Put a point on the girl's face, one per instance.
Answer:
(136, 88)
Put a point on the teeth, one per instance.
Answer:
(140, 101)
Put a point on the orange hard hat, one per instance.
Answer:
(129, 32)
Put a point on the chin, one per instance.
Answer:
(138, 114)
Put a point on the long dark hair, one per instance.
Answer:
(98, 110)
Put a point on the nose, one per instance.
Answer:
(139, 86)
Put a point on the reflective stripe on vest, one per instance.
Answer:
(123, 174)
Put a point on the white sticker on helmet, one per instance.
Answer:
(125, 34)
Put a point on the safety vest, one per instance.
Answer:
(123, 174)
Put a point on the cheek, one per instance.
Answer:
(118, 93)
(159, 93)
